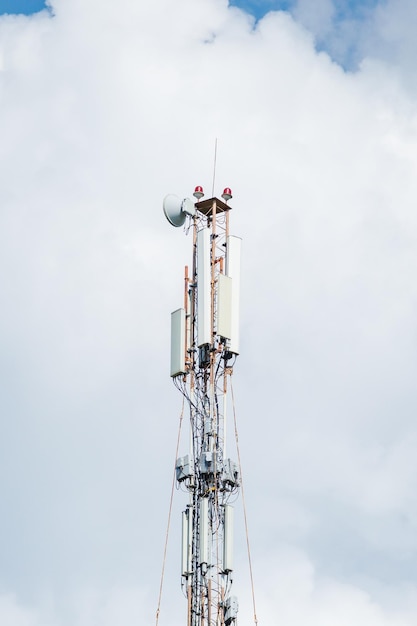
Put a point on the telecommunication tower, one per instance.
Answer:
(204, 347)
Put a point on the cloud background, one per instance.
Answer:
(106, 108)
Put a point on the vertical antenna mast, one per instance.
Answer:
(214, 166)
(204, 346)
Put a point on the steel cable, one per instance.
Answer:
(169, 515)
(244, 506)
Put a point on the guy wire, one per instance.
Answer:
(169, 517)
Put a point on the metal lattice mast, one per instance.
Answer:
(203, 350)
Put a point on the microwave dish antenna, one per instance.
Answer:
(176, 210)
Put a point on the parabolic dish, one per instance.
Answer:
(172, 206)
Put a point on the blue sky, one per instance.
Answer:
(21, 6)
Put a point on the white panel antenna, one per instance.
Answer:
(233, 246)
(224, 313)
(187, 536)
(204, 546)
(178, 342)
(203, 287)
(228, 539)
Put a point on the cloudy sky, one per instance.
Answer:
(105, 107)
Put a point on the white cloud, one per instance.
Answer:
(91, 606)
(106, 108)
(293, 590)
(13, 615)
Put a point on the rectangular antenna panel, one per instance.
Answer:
(233, 248)
(203, 287)
(178, 342)
(188, 324)
(224, 306)
(204, 526)
(228, 539)
(187, 537)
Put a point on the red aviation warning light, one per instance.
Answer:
(198, 192)
(227, 194)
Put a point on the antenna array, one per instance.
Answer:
(204, 347)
